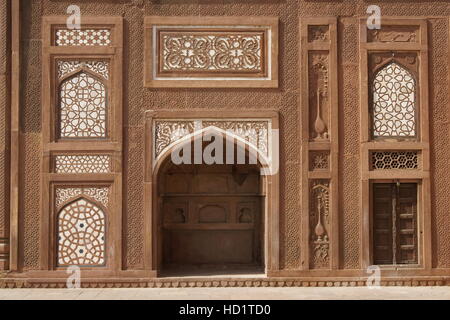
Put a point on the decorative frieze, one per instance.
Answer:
(394, 33)
(68, 66)
(65, 194)
(82, 37)
(211, 52)
(254, 132)
(72, 164)
(389, 160)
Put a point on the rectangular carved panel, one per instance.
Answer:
(82, 164)
(318, 95)
(319, 219)
(211, 52)
(388, 160)
(394, 33)
(82, 37)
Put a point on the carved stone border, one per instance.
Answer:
(222, 283)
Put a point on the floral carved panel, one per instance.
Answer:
(319, 217)
(211, 52)
(196, 53)
(319, 102)
(319, 160)
(99, 67)
(254, 132)
(65, 194)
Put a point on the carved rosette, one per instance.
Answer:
(319, 218)
(319, 160)
(254, 132)
(318, 95)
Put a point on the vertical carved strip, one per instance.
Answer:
(15, 136)
(318, 95)
(319, 216)
(4, 135)
(319, 135)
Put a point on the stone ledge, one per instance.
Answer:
(198, 283)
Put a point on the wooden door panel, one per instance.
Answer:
(382, 221)
(395, 223)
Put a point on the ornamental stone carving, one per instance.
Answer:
(253, 132)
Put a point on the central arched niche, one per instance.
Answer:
(211, 218)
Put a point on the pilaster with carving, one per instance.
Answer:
(319, 135)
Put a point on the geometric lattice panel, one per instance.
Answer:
(85, 37)
(82, 107)
(387, 160)
(81, 234)
(82, 164)
(394, 102)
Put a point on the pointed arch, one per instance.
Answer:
(81, 229)
(394, 105)
(263, 157)
(82, 106)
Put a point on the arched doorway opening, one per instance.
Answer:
(211, 217)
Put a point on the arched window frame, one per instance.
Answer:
(94, 203)
(415, 78)
(107, 85)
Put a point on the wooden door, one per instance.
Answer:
(395, 223)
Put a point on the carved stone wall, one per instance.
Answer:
(285, 99)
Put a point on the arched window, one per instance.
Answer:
(82, 107)
(81, 234)
(394, 102)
